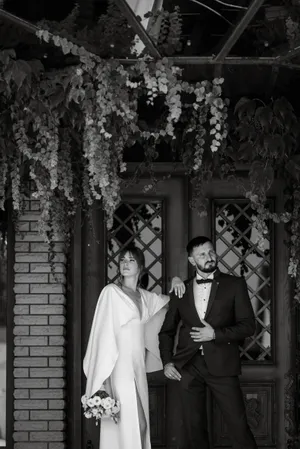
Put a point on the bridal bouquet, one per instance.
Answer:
(100, 405)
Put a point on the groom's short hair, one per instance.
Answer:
(195, 242)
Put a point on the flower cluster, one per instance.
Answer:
(263, 216)
(218, 111)
(292, 31)
(99, 406)
(71, 129)
(107, 95)
(294, 263)
(207, 107)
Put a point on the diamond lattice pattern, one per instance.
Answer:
(139, 223)
(239, 255)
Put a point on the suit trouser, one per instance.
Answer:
(228, 395)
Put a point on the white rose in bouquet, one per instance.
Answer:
(97, 401)
(90, 402)
(107, 403)
(95, 412)
(84, 399)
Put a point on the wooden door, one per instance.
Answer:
(267, 357)
(161, 224)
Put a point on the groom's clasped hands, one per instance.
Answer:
(202, 334)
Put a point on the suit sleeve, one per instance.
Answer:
(244, 317)
(168, 331)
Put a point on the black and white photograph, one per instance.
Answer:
(149, 224)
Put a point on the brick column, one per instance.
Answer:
(39, 339)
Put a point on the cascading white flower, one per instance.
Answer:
(103, 90)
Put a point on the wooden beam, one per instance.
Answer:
(183, 61)
(289, 54)
(138, 28)
(165, 168)
(132, 20)
(243, 61)
(178, 60)
(210, 60)
(239, 29)
(18, 21)
(33, 29)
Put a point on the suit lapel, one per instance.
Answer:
(213, 291)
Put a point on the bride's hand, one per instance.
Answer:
(178, 287)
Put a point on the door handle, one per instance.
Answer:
(89, 445)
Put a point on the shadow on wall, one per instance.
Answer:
(2, 385)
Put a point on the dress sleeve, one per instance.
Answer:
(102, 349)
(156, 305)
(155, 302)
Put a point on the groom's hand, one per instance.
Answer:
(177, 287)
(200, 334)
(171, 372)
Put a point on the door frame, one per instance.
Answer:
(75, 376)
(79, 245)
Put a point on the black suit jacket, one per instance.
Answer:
(229, 312)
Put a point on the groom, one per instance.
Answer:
(216, 317)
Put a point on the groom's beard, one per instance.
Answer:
(209, 267)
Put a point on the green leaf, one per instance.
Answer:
(276, 124)
(261, 175)
(7, 55)
(36, 67)
(264, 116)
(2, 145)
(275, 145)
(282, 107)
(243, 132)
(246, 152)
(293, 169)
(240, 104)
(7, 74)
(38, 107)
(4, 88)
(17, 71)
(245, 107)
(24, 66)
(295, 128)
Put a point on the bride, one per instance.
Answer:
(123, 345)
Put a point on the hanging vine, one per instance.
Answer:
(68, 128)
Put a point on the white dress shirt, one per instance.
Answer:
(201, 296)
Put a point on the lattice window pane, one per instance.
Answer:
(140, 223)
(239, 255)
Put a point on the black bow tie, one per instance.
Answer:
(204, 281)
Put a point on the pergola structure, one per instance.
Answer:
(218, 60)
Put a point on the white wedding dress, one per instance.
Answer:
(123, 345)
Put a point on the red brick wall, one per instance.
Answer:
(39, 339)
